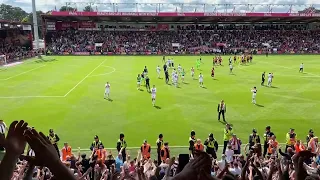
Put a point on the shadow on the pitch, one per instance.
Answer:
(110, 100)
(195, 79)
(259, 105)
(215, 79)
(204, 87)
(160, 78)
(233, 74)
(185, 83)
(274, 87)
(157, 107)
(179, 87)
(223, 122)
(141, 90)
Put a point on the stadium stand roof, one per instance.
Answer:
(227, 15)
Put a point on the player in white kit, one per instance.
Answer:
(254, 94)
(192, 73)
(201, 80)
(153, 95)
(158, 71)
(179, 69)
(173, 75)
(269, 79)
(301, 68)
(175, 79)
(231, 68)
(107, 91)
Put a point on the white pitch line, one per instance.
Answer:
(288, 68)
(83, 79)
(21, 73)
(114, 69)
(20, 97)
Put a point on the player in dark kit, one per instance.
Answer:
(263, 78)
(212, 72)
(164, 59)
(148, 83)
(166, 73)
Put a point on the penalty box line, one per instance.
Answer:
(21, 73)
(83, 79)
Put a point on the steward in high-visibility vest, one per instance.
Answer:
(254, 138)
(313, 144)
(211, 146)
(309, 136)
(101, 153)
(96, 143)
(159, 147)
(145, 150)
(299, 146)
(66, 151)
(121, 147)
(54, 139)
(199, 146)
(227, 135)
(192, 141)
(165, 152)
(267, 135)
(291, 139)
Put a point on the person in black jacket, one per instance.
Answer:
(159, 147)
(254, 139)
(267, 135)
(309, 136)
(263, 78)
(121, 147)
(211, 146)
(166, 76)
(54, 139)
(222, 109)
(192, 141)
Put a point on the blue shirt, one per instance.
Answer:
(119, 163)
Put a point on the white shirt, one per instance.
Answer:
(153, 91)
(222, 164)
(201, 77)
(3, 128)
(179, 68)
(231, 66)
(270, 76)
(254, 91)
(301, 65)
(229, 155)
(158, 69)
(235, 171)
(107, 86)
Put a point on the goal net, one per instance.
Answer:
(3, 60)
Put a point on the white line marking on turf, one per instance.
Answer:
(22, 73)
(83, 79)
(18, 97)
(287, 67)
(113, 70)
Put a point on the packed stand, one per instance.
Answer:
(262, 158)
(15, 46)
(190, 39)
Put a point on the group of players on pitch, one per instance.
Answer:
(143, 77)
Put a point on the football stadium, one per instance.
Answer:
(226, 91)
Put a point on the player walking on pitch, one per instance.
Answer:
(158, 71)
(192, 73)
(138, 82)
(201, 80)
(153, 95)
(107, 91)
(301, 68)
(254, 94)
(269, 79)
(231, 67)
(182, 75)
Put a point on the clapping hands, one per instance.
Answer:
(15, 142)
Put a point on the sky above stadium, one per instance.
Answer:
(168, 6)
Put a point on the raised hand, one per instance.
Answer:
(15, 142)
(45, 152)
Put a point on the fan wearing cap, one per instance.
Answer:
(211, 146)
(192, 141)
(159, 147)
(254, 138)
(309, 136)
(121, 147)
(267, 135)
(96, 143)
(291, 139)
(54, 139)
(145, 150)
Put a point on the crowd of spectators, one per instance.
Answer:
(15, 46)
(263, 160)
(187, 41)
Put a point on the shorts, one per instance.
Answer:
(182, 76)
(254, 96)
(201, 81)
(153, 96)
(138, 83)
(300, 69)
(212, 75)
(107, 91)
(192, 73)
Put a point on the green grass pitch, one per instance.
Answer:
(67, 96)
